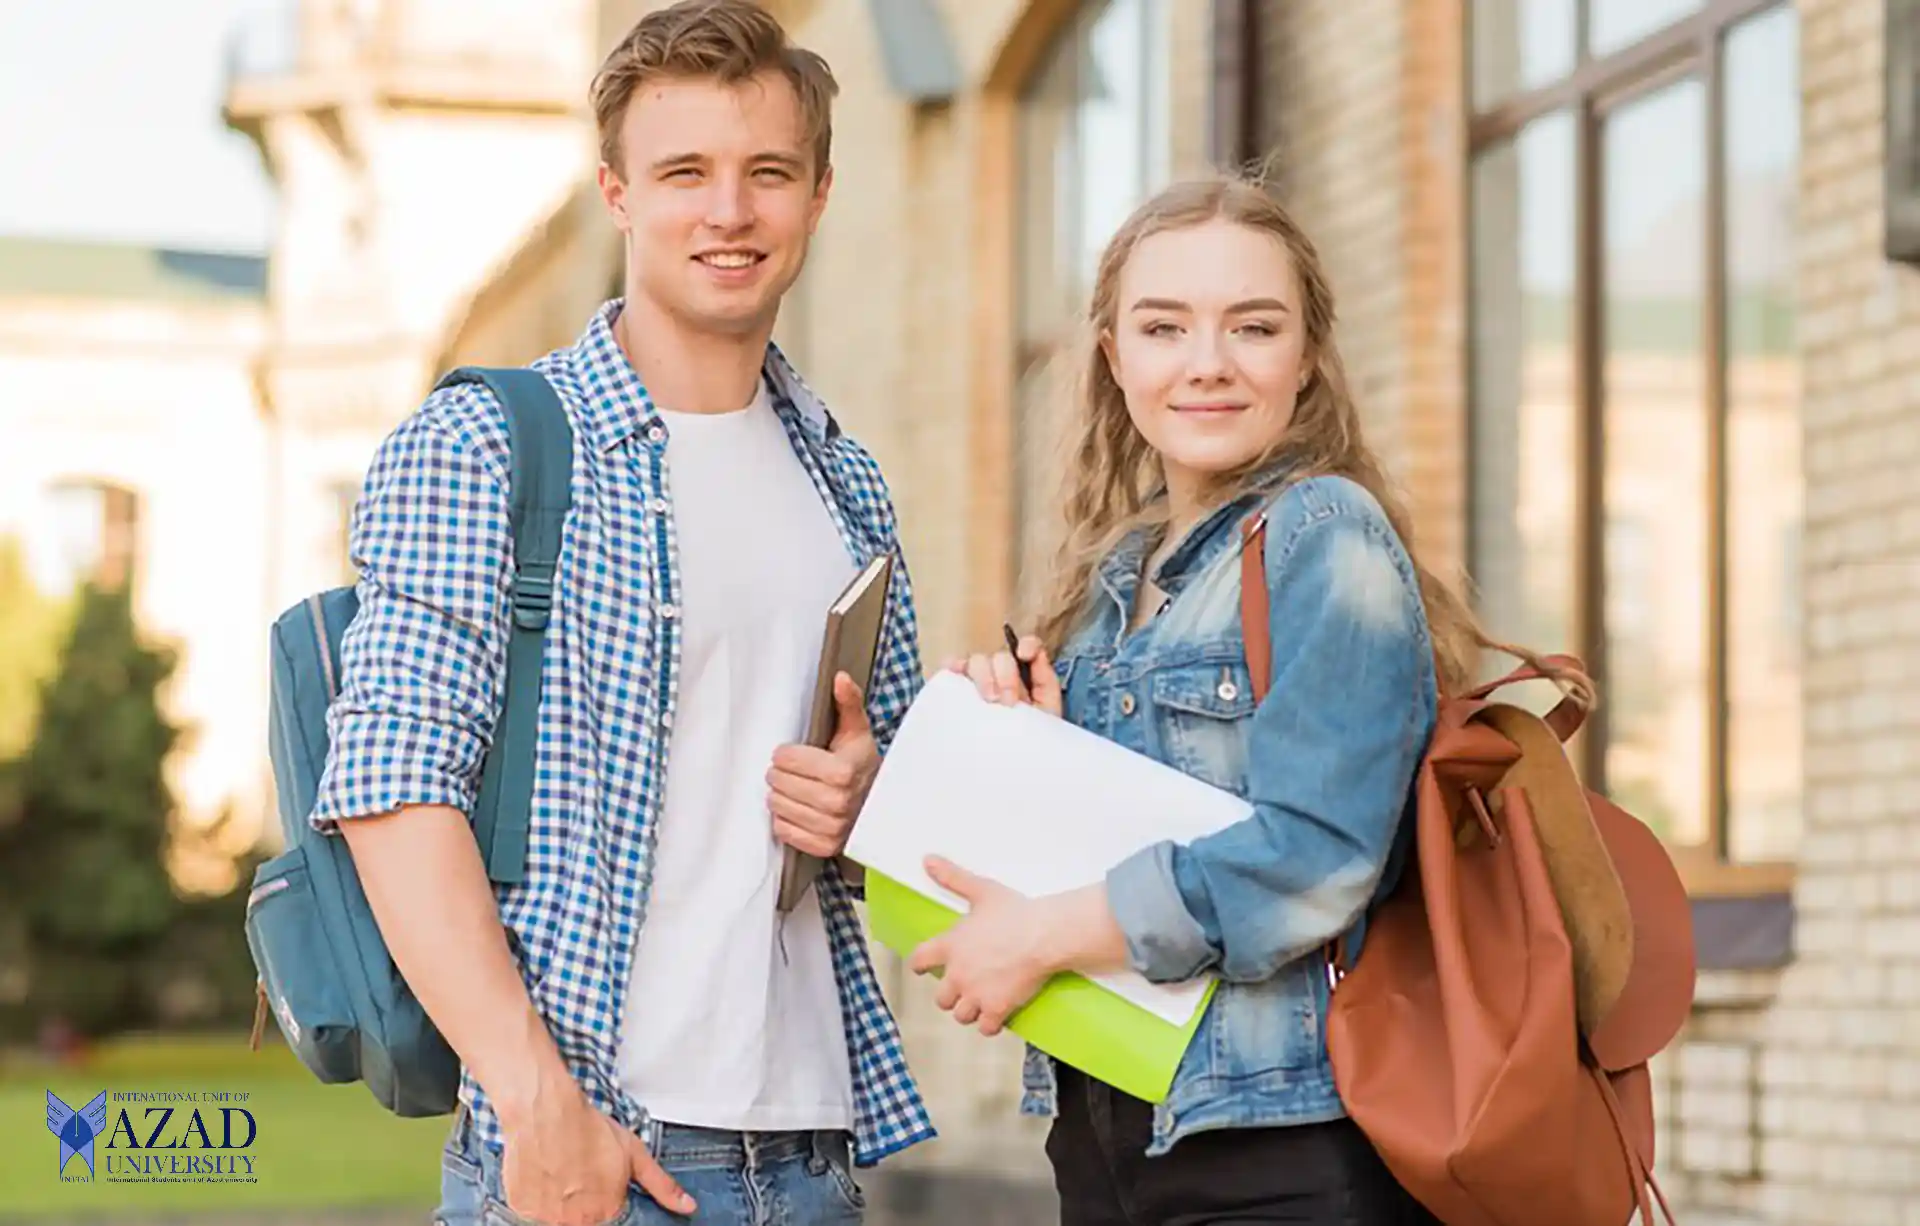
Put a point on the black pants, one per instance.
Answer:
(1308, 1174)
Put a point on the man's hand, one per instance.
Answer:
(564, 1162)
(572, 1167)
(817, 793)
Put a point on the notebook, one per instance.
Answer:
(849, 645)
(1042, 806)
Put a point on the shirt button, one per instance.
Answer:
(669, 611)
(1126, 704)
(659, 506)
(656, 432)
(1228, 691)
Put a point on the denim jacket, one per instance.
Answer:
(1327, 760)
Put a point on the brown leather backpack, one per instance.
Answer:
(1492, 1037)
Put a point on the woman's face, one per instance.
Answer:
(1209, 347)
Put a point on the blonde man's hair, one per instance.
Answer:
(729, 41)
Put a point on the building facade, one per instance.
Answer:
(1627, 285)
(1623, 286)
(132, 450)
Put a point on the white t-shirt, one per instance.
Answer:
(733, 1013)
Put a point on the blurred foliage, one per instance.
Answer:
(32, 626)
(97, 934)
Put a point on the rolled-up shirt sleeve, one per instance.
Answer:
(423, 661)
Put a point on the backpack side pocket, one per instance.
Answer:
(298, 972)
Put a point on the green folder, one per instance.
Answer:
(1071, 1018)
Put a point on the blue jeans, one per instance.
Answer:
(736, 1179)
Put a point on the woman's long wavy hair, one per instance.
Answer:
(1115, 479)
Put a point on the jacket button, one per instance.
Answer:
(1126, 704)
(1228, 691)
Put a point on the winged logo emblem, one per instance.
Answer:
(76, 1130)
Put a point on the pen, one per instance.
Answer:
(1013, 646)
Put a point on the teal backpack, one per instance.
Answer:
(323, 968)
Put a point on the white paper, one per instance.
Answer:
(1031, 801)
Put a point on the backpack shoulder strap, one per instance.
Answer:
(1253, 604)
(540, 492)
(1258, 641)
(1255, 632)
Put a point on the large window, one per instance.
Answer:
(1636, 483)
(1093, 145)
(92, 535)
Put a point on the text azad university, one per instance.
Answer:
(196, 1137)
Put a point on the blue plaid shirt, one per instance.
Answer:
(423, 666)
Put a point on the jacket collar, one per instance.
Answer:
(1216, 532)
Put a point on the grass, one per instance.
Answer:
(317, 1146)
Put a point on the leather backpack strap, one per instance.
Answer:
(1253, 604)
(1567, 715)
(1565, 719)
(1638, 1172)
(1258, 638)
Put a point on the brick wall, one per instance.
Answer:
(1361, 125)
(1792, 1097)
(1189, 93)
(1840, 1077)
(1796, 1099)
(1331, 74)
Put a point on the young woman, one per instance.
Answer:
(1214, 393)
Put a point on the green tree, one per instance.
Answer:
(32, 624)
(83, 862)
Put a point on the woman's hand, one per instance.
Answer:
(997, 676)
(1006, 946)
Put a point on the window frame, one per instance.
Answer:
(1693, 46)
(1037, 347)
(121, 510)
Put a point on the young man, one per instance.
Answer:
(637, 1010)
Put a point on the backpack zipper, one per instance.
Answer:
(320, 633)
(264, 891)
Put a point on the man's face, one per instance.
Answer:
(718, 198)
